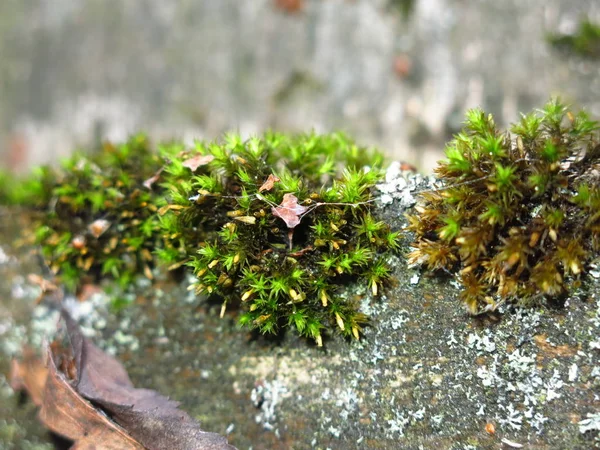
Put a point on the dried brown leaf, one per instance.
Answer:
(152, 419)
(68, 414)
(197, 161)
(98, 227)
(29, 374)
(45, 285)
(268, 185)
(86, 396)
(153, 179)
(289, 210)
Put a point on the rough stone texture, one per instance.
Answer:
(73, 73)
(425, 375)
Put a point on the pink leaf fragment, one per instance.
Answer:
(268, 185)
(197, 161)
(289, 210)
(153, 179)
(98, 227)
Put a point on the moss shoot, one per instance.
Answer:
(518, 217)
(585, 41)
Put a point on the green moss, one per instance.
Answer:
(276, 225)
(585, 41)
(99, 218)
(518, 217)
(403, 7)
(33, 190)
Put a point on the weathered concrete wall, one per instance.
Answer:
(72, 73)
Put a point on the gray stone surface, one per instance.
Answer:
(75, 72)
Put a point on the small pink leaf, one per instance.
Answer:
(153, 179)
(289, 210)
(197, 161)
(98, 227)
(268, 185)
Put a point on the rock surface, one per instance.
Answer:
(425, 375)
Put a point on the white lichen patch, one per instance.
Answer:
(402, 186)
(414, 279)
(296, 368)
(402, 420)
(591, 423)
(4, 258)
(279, 378)
(483, 343)
(267, 396)
(397, 425)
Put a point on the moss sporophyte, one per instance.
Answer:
(276, 225)
(518, 214)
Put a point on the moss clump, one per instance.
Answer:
(518, 217)
(585, 41)
(32, 191)
(100, 218)
(278, 225)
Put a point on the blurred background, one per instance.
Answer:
(396, 74)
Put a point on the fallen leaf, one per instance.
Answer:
(88, 398)
(268, 185)
(289, 210)
(29, 374)
(45, 286)
(153, 179)
(68, 414)
(197, 161)
(98, 227)
(78, 242)
(87, 291)
(150, 418)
